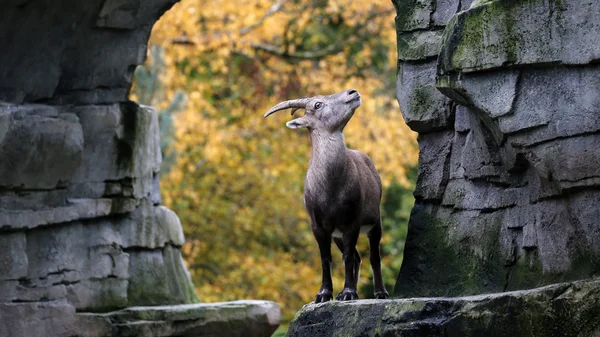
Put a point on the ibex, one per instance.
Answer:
(342, 190)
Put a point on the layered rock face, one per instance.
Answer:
(82, 231)
(508, 192)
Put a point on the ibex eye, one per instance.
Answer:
(318, 105)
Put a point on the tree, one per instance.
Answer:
(237, 179)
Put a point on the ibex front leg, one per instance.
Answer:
(324, 241)
(340, 244)
(351, 265)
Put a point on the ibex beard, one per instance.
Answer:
(342, 190)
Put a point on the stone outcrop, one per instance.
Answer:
(231, 319)
(79, 52)
(565, 309)
(84, 241)
(504, 95)
(80, 228)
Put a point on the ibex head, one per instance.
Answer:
(329, 113)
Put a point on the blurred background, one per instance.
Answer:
(235, 179)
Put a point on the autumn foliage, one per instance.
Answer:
(234, 178)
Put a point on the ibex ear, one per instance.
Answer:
(297, 123)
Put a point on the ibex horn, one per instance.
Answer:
(294, 104)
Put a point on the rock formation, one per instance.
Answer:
(82, 231)
(505, 96)
(508, 192)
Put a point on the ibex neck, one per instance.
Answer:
(328, 152)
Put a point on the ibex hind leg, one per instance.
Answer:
(374, 241)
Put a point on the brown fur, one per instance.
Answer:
(342, 191)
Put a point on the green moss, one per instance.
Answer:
(412, 14)
(159, 280)
(470, 37)
(487, 35)
(180, 284)
(149, 288)
(405, 10)
(419, 103)
(107, 295)
(437, 265)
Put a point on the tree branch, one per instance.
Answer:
(272, 10)
(304, 55)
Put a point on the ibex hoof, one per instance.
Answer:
(383, 294)
(347, 295)
(323, 296)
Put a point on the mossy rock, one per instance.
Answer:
(565, 309)
(502, 33)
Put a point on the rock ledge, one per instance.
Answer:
(238, 318)
(562, 309)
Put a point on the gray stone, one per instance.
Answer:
(465, 4)
(68, 38)
(492, 93)
(583, 207)
(76, 209)
(40, 148)
(159, 277)
(239, 318)
(413, 14)
(100, 264)
(20, 291)
(155, 197)
(119, 14)
(87, 190)
(179, 280)
(86, 259)
(444, 10)
(465, 119)
(424, 108)
(419, 45)
(151, 227)
(121, 142)
(32, 199)
(551, 232)
(433, 173)
(554, 103)
(564, 309)
(37, 319)
(477, 160)
(495, 33)
(469, 195)
(571, 162)
(14, 262)
(98, 295)
(454, 253)
(81, 226)
(507, 202)
(168, 220)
